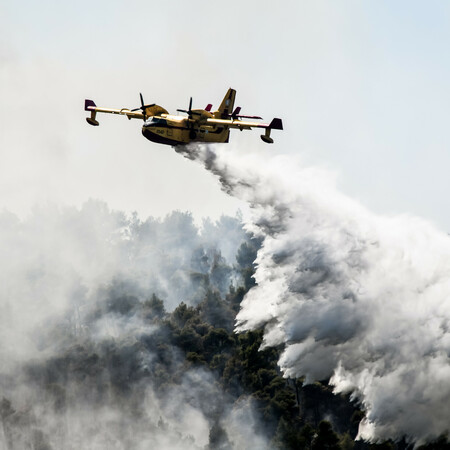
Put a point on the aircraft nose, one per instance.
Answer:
(145, 132)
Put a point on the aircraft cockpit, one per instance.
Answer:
(155, 122)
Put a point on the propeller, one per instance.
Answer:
(143, 106)
(189, 111)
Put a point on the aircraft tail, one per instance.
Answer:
(227, 105)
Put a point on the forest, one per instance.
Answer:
(153, 361)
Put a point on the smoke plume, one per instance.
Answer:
(356, 298)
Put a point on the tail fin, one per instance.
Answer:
(227, 105)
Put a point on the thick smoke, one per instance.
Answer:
(82, 363)
(354, 297)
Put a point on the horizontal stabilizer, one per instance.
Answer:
(235, 113)
(248, 117)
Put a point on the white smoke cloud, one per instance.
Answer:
(241, 424)
(356, 297)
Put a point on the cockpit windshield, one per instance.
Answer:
(156, 122)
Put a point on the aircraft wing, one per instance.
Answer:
(276, 124)
(89, 105)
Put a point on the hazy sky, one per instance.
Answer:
(362, 87)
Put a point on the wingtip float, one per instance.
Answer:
(200, 125)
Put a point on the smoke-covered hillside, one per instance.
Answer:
(117, 333)
(84, 331)
(313, 323)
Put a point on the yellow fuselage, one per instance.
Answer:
(176, 130)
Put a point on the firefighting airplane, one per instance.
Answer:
(200, 125)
